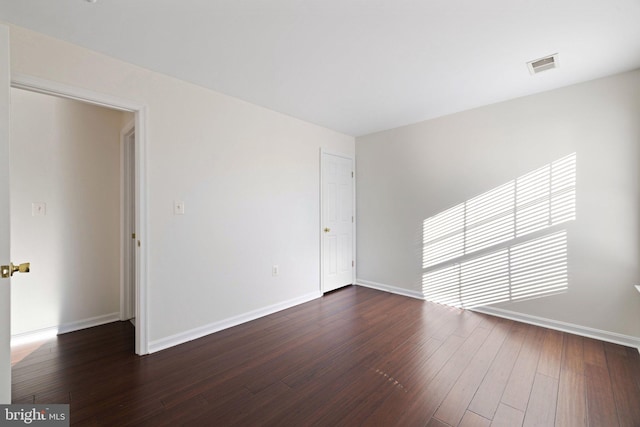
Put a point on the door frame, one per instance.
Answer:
(351, 157)
(36, 84)
(5, 232)
(127, 133)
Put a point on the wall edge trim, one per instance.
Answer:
(585, 331)
(389, 288)
(201, 331)
(64, 328)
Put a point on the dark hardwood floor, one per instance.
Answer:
(354, 357)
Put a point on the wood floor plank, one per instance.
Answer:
(573, 354)
(487, 399)
(236, 413)
(419, 370)
(624, 383)
(523, 374)
(407, 359)
(413, 373)
(571, 409)
(188, 411)
(353, 357)
(305, 400)
(454, 406)
(363, 349)
(468, 322)
(488, 322)
(352, 406)
(601, 407)
(434, 422)
(551, 354)
(617, 349)
(432, 394)
(633, 363)
(594, 352)
(541, 410)
(506, 416)
(459, 323)
(472, 419)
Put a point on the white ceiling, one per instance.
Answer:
(355, 66)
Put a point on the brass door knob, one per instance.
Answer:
(8, 270)
(327, 229)
(22, 268)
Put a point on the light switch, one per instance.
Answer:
(38, 209)
(178, 208)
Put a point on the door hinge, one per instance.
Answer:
(351, 218)
(353, 263)
(351, 174)
(133, 235)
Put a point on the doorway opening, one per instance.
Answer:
(129, 206)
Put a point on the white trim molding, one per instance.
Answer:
(37, 84)
(50, 87)
(389, 288)
(199, 332)
(571, 328)
(125, 239)
(64, 328)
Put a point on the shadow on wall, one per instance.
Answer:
(476, 253)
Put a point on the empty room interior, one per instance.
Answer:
(321, 213)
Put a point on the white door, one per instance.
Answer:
(5, 256)
(337, 222)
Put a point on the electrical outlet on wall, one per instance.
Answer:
(275, 270)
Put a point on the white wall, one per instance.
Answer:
(249, 178)
(408, 174)
(66, 154)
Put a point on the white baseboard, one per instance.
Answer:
(88, 323)
(183, 337)
(389, 288)
(571, 328)
(46, 333)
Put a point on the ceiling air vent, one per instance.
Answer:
(543, 64)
